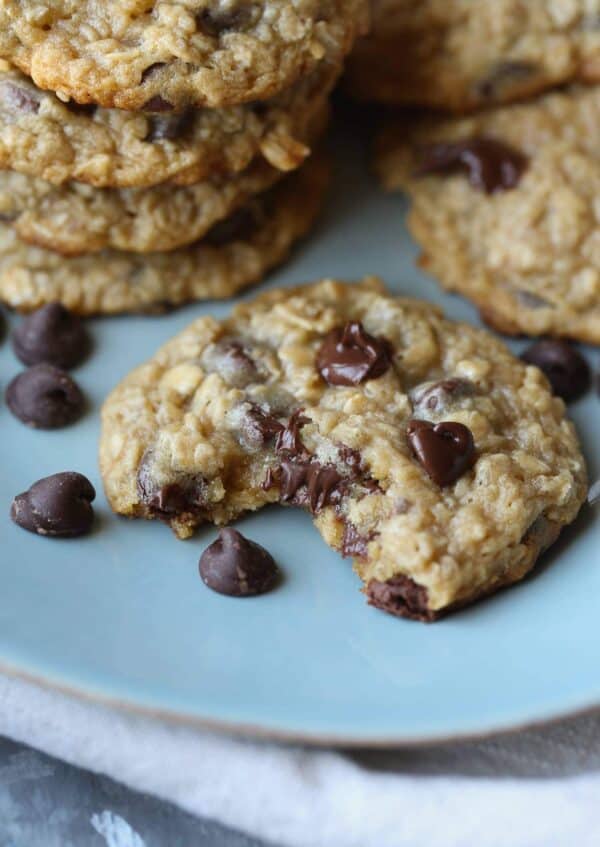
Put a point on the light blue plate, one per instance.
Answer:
(123, 616)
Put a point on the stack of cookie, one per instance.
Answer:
(505, 199)
(143, 144)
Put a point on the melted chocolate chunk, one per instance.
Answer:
(236, 566)
(260, 427)
(215, 22)
(45, 397)
(349, 355)
(400, 596)
(169, 127)
(308, 483)
(151, 70)
(58, 506)
(437, 396)
(445, 450)
(169, 500)
(53, 335)
(565, 368)
(288, 439)
(491, 165)
(19, 99)
(232, 362)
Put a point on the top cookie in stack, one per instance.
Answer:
(136, 128)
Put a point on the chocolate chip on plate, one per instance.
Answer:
(565, 368)
(236, 566)
(349, 355)
(445, 450)
(45, 397)
(490, 164)
(51, 334)
(59, 506)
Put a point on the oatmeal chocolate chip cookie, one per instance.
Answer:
(466, 54)
(76, 219)
(526, 248)
(422, 447)
(235, 253)
(42, 136)
(162, 55)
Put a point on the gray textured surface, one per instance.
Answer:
(47, 803)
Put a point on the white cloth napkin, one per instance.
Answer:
(539, 788)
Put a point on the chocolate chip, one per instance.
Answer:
(51, 334)
(236, 566)
(491, 165)
(532, 301)
(446, 450)
(45, 397)
(157, 104)
(18, 98)
(260, 427)
(438, 396)
(214, 22)
(565, 368)
(151, 70)
(232, 362)
(288, 439)
(308, 483)
(349, 356)
(169, 127)
(165, 500)
(58, 505)
(400, 596)
(503, 75)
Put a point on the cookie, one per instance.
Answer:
(423, 448)
(42, 136)
(466, 54)
(160, 55)
(235, 253)
(513, 222)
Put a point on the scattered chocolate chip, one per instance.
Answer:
(353, 543)
(400, 596)
(58, 506)
(169, 127)
(18, 98)
(565, 368)
(53, 335)
(151, 70)
(157, 104)
(445, 450)
(236, 566)
(186, 495)
(503, 75)
(214, 22)
(491, 165)
(438, 396)
(45, 397)
(288, 439)
(349, 355)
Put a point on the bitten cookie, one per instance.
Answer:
(42, 136)
(465, 54)
(505, 208)
(423, 448)
(235, 253)
(162, 55)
